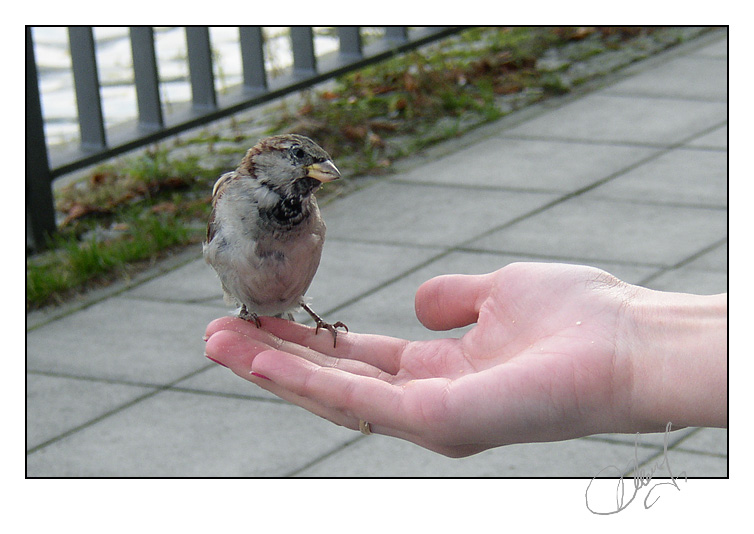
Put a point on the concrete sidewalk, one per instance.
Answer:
(631, 178)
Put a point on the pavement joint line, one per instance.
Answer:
(593, 185)
(615, 441)
(48, 315)
(685, 261)
(323, 457)
(474, 187)
(392, 280)
(674, 446)
(182, 389)
(654, 96)
(113, 411)
(608, 143)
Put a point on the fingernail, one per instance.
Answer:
(205, 338)
(259, 376)
(214, 360)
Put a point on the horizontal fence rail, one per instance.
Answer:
(97, 143)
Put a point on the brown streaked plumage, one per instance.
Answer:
(265, 233)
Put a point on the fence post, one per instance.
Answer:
(202, 78)
(252, 58)
(396, 34)
(86, 80)
(350, 42)
(302, 43)
(40, 210)
(146, 78)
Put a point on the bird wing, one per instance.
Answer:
(217, 192)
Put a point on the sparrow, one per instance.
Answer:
(265, 232)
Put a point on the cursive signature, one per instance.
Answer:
(642, 478)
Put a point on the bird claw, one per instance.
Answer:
(252, 317)
(332, 328)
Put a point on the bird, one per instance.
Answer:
(265, 232)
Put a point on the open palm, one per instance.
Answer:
(543, 362)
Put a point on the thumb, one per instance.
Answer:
(451, 301)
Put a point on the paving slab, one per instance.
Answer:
(685, 176)
(427, 215)
(389, 457)
(591, 229)
(57, 404)
(679, 78)
(138, 341)
(556, 166)
(605, 118)
(182, 434)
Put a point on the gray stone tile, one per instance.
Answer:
(349, 268)
(195, 281)
(707, 440)
(123, 339)
(698, 77)
(55, 405)
(529, 164)
(590, 229)
(686, 280)
(223, 381)
(714, 260)
(718, 50)
(653, 439)
(611, 118)
(681, 176)
(381, 456)
(716, 139)
(684, 464)
(403, 213)
(183, 435)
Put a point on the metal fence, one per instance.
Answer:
(98, 143)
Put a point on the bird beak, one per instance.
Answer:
(324, 172)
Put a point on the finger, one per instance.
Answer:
(236, 346)
(340, 396)
(234, 350)
(217, 325)
(451, 301)
(237, 352)
(381, 352)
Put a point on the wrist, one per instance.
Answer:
(677, 346)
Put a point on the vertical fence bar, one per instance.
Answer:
(146, 78)
(88, 100)
(204, 97)
(40, 211)
(350, 42)
(396, 34)
(252, 58)
(302, 42)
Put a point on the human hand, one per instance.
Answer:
(552, 356)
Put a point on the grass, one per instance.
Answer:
(135, 210)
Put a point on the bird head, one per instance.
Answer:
(290, 165)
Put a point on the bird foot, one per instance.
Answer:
(332, 328)
(252, 317)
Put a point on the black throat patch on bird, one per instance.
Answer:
(294, 204)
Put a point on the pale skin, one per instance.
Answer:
(556, 352)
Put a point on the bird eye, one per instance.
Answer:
(298, 153)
